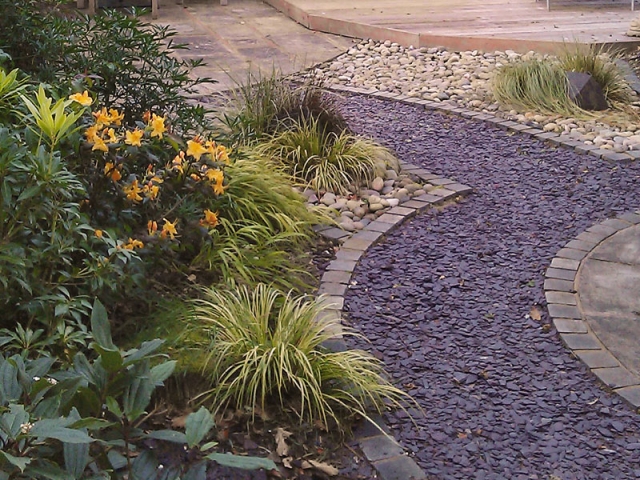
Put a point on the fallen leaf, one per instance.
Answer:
(287, 462)
(281, 444)
(324, 468)
(535, 314)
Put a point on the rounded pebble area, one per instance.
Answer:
(446, 299)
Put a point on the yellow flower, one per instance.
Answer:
(218, 188)
(111, 134)
(99, 144)
(151, 191)
(152, 227)
(214, 175)
(211, 147)
(195, 177)
(195, 149)
(169, 229)
(133, 191)
(132, 243)
(176, 164)
(98, 233)
(91, 133)
(103, 119)
(210, 219)
(82, 98)
(115, 117)
(112, 171)
(146, 117)
(157, 126)
(221, 154)
(133, 138)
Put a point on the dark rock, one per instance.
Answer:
(586, 92)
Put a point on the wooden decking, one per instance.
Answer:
(519, 25)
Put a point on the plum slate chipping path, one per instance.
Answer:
(447, 301)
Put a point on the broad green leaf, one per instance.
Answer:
(76, 458)
(48, 470)
(113, 407)
(100, 327)
(145, 466)
(168, 436)
(11, 421)
(161, 372)
(145, 349)
(20, 462)
(111, 359)
(137, 394)
(196, 472)
(246, 463)
(9, 386)
(57, 429)
(91, 423)
(197, 426)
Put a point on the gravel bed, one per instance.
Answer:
(446, 300)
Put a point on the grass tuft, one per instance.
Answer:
(266, 348)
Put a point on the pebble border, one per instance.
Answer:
(563, 306)
(383, 451)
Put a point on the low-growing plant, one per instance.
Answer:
(262, 106)
(325, 160)
(267, 348)
(601, 65)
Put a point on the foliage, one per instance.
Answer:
(327, 161)
(541, 84)
(538, 85)
(267, 346)
(602, 67)
(265, 105)
(127, 62)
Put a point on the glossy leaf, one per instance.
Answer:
(197, 426)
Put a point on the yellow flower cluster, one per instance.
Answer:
(168, 229)
(102, 134)
(196, 148)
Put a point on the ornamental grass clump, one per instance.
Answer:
(324, 160)
(267, 349)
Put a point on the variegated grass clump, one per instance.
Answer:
(325, 160)
(267, 349)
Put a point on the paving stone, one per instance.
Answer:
(565, 263)
(564, 311)
(443, 193)
(532, 131)
(630, 217)
(572, 253)
(371, 427)
(616, 377)
(616, 223)
(631, 395)
(441, 181)
(380, 447)
(459, 188)
(622, 247)
(377, 226)
(599, 152)
(389, 218)
(592, 237)
(570, 325)
(369, 235)
(617, 157)
(399, 468)
(584, 148)
(597, 358)
(561, 297)
(348, 254)
(602, 228)
(404, 211)
(336, 276)
(580, 245)
(416, 204)
(559, 285)
(334, 233)
(331, 288)
(335, 345)
(580, 341)
(428, 198)
(427, 177)
(344, 265)
(560, 273)
(357, 244)
(547, 135)
(333, 302)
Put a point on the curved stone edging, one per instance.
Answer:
(384, 453)
(555, 138)
(563, 304)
